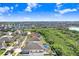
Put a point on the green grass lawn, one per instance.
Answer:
(1, 51)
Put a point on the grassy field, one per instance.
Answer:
(1, 51)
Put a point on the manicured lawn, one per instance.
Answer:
(1, 51)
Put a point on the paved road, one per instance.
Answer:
(22, 44)
(7, 49)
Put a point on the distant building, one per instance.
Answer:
(18, 31)
(9, 33)
(28, 33)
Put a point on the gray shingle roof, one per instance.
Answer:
(33, 46)
(0, 46)
(7, 39)
(35, 39)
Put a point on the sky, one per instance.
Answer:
(39, 11)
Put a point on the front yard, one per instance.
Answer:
(1, 51)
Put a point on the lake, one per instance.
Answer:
(74, 28)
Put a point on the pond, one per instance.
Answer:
(74, 28)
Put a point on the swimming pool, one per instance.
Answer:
(46, 46)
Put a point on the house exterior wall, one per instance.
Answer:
(36, 54)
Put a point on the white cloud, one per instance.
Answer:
(26, 18)
(2, 18)
(4, 9)
(31, 6)
(0, 14)
(29, 9)
(57, 15)
(16, 5)
(66, 10)
(58, 5)
(9, 14)
(11, 7)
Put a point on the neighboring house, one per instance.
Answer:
(3, 46)
(28, 33)
(7, 39)
(24, 52)
(1, 28)
(9, 33)
(0, 46)
(33, 49)
(18, 31)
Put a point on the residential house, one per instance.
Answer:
(33, 49)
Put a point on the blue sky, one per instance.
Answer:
(39, 12)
